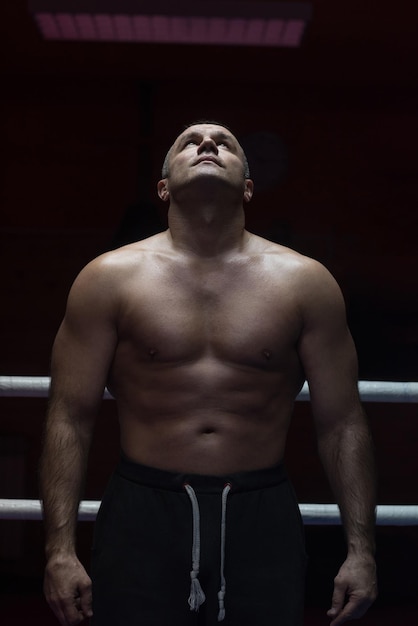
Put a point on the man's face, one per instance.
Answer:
(206, 151)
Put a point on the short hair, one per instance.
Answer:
(165, 172)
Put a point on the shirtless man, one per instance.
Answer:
(204, 334)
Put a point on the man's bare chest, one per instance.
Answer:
(242, 316)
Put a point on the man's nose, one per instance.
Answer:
(208, 145)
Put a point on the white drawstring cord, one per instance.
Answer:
(197, 597)
(221, 592)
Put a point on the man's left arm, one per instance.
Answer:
(345, 446)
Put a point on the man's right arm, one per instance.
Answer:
(83, 351)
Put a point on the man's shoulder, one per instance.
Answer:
(303, 275)
(279, 255)
(128, 256)
(110, 270)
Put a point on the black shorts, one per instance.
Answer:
(148, 524)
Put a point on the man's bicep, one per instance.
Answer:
(328, 356)
(85, 345)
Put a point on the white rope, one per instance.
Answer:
(32, 509)
(370, 390)
(312, 514)
(386, 514)
(24, 386)
(379, 391)
(29, 387)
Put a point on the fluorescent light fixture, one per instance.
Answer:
(169, 21)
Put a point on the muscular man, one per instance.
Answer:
(204, 334)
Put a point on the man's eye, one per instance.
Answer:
(223, 143)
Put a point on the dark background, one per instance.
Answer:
(84, 129)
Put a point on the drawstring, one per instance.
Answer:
(221, 592)
(197, 597)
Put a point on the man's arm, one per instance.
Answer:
(81, 358)
(344, 441)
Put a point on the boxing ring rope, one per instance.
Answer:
(312, 514)
(370, 390)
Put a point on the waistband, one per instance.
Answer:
(175, 481)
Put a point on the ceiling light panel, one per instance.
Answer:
(188, 22)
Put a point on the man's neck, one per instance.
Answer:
(207, 231)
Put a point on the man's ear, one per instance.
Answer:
(162, 189)
(248, 190)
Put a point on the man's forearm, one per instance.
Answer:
(348, 458)
(62, 475)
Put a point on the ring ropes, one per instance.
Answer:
(312, 514)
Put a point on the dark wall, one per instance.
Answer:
(81, 154)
